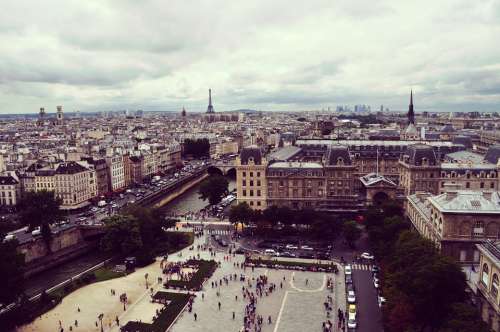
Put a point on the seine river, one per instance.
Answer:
(190, 201)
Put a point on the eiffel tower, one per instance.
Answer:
(210, 108)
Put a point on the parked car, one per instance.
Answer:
(348, 270)
(291, 246)
(375, 283)
(270, 252)
(307, 248)
(351, 296)
(351, 316)
(381, 301)
(375, 269)
(367, 255)
(348, 279)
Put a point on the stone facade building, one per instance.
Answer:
(456, 221)
(251, 181)
(488, 284)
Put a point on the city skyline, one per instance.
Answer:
(94, 57)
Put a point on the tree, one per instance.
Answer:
(213, 189)
(197, 148)
(351, 232)
(241, 213)
(11, 276)
(122, 235)
(464, 318)
(40, 209)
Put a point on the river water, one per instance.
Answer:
(190, 201)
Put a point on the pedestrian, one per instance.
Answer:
(233, 315)
(78, 309)
(269, 320)
(76, 323)
(219, 305)
(195, 316)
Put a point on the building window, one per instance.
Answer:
(251, 203)
(485, 277)
(467, 185)
(258, 174)
(482, 185)
(478, 228)
(258, 182)
(244, 182)
(258, 192)
(251, 183)
(258, 203)
(244, 173)
(244, 192)
(494, 285)
(492, 185)
(251, 193)
(251, 174)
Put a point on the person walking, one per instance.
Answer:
(195, 316)
(219, 305)
(233, 315)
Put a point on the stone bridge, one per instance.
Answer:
(223, 166)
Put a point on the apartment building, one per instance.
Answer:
(9, 190)
(116, 173)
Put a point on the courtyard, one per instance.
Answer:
(295, 304)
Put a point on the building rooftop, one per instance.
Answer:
(360, 142)
(465, 156)
(296, 164)
(467, 202)
(284, 154)
(374, 178)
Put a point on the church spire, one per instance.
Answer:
(411, 113)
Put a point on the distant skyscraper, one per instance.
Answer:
(411, 113)
(183, 113)
(210, 108)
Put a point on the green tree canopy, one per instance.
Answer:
(39, 208)
(122, 235)
(197, 148)
(241, 213)
(11, 275)
(351, 232)
(213, 188)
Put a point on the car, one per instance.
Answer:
(288, 254)
(94, 209)
(351, 323)
(381, 301)
(366, 255)
(82, 219)
(350, 287)
(307, 248)
(348, 270)
(291, 246)
(375, 269)
(348, 279)
(375, 283)
(270, 252)
(351, 311)
(351, 296)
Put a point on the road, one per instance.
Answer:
(369, 316)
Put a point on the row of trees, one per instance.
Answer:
(319, 225)
(197, 148)
(36, 209)
(425, 290)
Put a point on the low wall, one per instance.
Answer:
(179, 191)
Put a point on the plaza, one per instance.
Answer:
(297, 302)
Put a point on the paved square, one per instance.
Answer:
(295, 305)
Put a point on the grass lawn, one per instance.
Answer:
(166, 317)
(105, 273)
(205, 271)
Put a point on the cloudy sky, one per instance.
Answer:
(260, 54)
